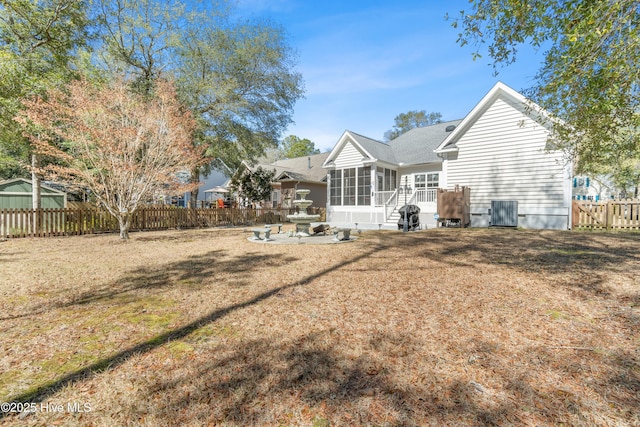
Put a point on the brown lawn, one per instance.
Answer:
(439, 327)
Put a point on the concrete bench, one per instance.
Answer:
(266, 231)
(346, 233)
(274, 225)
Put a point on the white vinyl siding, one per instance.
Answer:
(488, 162)
(349, 157)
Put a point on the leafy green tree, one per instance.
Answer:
(254, 185)
(38, 44)
(293, 146)
(589, 78)
(241, 84)
(620, 167)
(140, 37)
(404, 122)
(237, 77)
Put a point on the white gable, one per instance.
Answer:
(502, 156)
(350, 156)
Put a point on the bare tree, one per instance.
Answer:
(126, 148)
(404, 122)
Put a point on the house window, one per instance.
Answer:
(364, 186)
(350, 187)
(335, 187)
(423, 181)
(581, 182)
(349, 182)
(433, 180)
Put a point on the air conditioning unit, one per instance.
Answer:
(504, 213)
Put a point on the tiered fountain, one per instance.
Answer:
(302, 220)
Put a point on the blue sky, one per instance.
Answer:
(365, 62)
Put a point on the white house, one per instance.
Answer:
(499, 150)
(595, 188)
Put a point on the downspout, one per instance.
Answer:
(445, 172)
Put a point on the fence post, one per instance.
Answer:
(28, 230)
(81, 222)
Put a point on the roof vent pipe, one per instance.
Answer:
(309, 161)
(450, 128)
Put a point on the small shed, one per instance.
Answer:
(18, 194)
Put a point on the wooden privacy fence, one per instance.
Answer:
(64, 222)
(608, 215)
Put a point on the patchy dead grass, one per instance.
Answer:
(439, 327)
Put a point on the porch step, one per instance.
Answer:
(393, 219)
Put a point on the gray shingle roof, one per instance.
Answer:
(377, 149)
(414, 147)
(306, 168)
(418, 145)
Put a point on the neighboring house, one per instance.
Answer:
(499, 150)
(594, 188)
(293, 174)
(18, 194)
(215, 179)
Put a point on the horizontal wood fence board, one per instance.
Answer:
(86, 220)
(609, 215)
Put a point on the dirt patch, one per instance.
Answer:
(203, 327)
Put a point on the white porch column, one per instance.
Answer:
(328, 194)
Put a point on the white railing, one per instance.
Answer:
(424, 195)
(390, 203)
(382, 197)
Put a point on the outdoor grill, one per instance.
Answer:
(412, 217)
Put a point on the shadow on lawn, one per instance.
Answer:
(551, 252)
(582, 255)
(577, 261)
(193, 235)
(195, 267)
(236, 384)
(313, 377)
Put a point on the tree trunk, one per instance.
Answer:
(193, 200)
(195, 179)
(35, 182)
(124, 220)
(35, 193)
